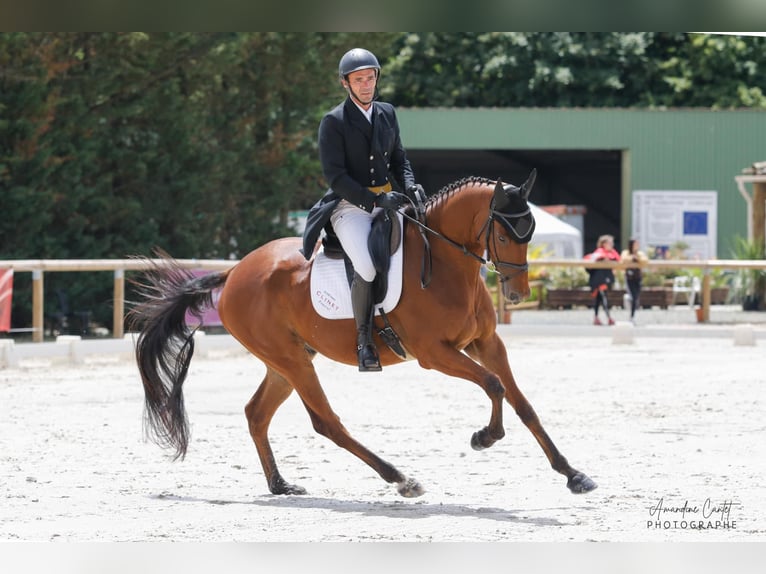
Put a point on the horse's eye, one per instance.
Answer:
(501, 238)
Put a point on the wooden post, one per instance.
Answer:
(705, 296)
(759, 212)
(37, 306)
(500, 304)
(118, 313)
(759, 232)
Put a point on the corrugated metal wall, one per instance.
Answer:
(666, 150)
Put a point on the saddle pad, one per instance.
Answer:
(331, 293)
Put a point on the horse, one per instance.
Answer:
(446, 322)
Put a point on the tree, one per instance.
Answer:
(114, 143)
(586, 69)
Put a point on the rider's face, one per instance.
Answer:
(362, 85)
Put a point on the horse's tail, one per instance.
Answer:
(165, 346)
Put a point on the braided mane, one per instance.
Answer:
(454, 187)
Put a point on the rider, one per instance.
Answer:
(366, 166)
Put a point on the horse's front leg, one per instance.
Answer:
(450, 361)
(491, 352)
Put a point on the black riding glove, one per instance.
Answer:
(391, 200)
(416, 192)
(418, 196)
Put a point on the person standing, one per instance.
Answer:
(601, 280)
(633, 274)
(366, 167)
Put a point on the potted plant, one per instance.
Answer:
(751, 283)
(719, 284)
(656, 285)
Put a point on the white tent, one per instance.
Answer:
(562, 241)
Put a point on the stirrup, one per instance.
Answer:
(368, 359)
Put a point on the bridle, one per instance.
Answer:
(492, 264)
(504, 219)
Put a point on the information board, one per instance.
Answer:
(661, 219)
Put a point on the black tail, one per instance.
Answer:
(165, 346)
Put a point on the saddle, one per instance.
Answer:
(384, 240)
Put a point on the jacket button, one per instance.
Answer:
(372, 158)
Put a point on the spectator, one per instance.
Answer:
(601, 280)
(633, 274)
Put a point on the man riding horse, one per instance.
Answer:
(365, 165)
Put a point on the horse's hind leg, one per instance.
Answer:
(273, 391)
(304, 380)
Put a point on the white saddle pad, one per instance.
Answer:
(331, 293)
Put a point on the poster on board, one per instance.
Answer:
(662, 219)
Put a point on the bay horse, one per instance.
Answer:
(264, 303)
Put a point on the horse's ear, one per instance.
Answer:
(526, 187)
(500, 197)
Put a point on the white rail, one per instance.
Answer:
(38, 267)
(119, 266)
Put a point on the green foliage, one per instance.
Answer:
(718, 277)
(654, 278)
(751, 282)
(587, 69)
(567, 278)
(114, 143)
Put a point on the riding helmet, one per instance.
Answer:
(357, 59)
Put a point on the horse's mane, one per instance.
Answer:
(454, 187)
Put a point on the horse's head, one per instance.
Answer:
(509, 231)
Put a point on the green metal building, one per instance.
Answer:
(595, 158)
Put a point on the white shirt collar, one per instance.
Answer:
(367, 113)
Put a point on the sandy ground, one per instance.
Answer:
(672, 422)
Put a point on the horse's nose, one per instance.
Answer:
(515, 295)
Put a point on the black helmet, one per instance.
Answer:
(357, 59)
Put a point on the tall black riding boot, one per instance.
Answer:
(361, 303)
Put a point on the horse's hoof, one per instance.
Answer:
(410, 488)
(282, 487)
(476, 442)
(484, 439)
(580, 483)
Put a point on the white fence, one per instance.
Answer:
(38, 268)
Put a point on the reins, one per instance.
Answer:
(460, 246)
(425, 276)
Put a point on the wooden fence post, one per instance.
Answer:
(37, 306)
(118, 313)
(705, 296)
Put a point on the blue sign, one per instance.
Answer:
(695, 222)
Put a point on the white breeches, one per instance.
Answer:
(352, 226)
